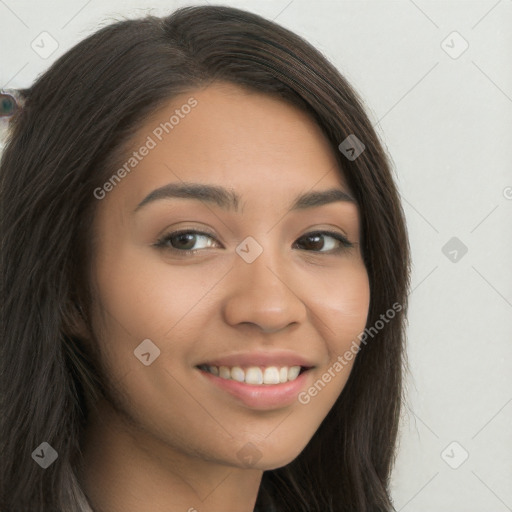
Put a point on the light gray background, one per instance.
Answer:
(447, 123)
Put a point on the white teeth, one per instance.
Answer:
(237, 374)
(293, 372)
(224, 372)
(256, 375)
(271, 375)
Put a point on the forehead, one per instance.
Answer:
(252, 142)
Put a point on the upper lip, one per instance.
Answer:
(273, 358)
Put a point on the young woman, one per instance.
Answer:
(205, 271)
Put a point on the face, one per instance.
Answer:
(210, 301)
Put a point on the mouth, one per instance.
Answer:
(256, 387)
(256, 375)
(260, 380)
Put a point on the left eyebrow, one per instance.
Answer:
(228, 199)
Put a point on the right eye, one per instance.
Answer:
(182, 239)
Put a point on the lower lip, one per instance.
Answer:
(264, 396)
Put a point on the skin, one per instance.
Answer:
(166, 439)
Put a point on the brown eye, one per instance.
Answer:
(183, 241)
(315, 242)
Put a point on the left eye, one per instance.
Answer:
(339, 242)
(184, 241)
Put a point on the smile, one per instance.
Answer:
(255, 375)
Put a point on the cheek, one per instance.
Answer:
(140, 299)
(146, 297)
(341, 300)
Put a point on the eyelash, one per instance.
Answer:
(162, 243)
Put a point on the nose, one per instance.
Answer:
(263, 295)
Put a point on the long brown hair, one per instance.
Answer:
(75, 125)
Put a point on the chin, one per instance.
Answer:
(276, 463)
(270, 461)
